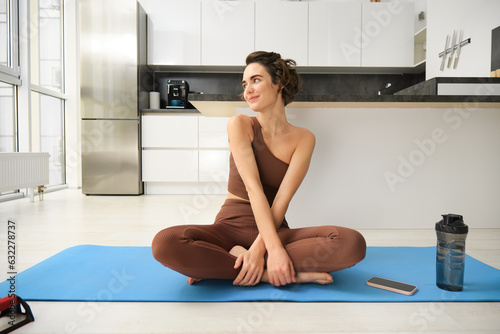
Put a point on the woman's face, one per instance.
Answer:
(259, 90)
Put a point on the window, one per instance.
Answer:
(48, 112)
(47, 85)
(8, 39)
(7, 118)
(46, 44)
(32, 111)
(4, 34)
(9, 76)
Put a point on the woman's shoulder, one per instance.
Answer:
(240, 119)
(305, 135)
(240, 123)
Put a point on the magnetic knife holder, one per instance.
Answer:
(455, 47)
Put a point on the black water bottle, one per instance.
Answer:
(450, 255)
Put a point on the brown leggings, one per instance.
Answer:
(202, 251)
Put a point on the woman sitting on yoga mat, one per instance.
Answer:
(250, 241)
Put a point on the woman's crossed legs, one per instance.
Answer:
(210, 251)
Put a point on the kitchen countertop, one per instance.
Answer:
(303, 99)
(422, 95)
(430, 87)
(222, 105)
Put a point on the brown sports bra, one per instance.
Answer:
(271, 169)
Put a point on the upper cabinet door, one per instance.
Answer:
(174, 36)
(282, 27)
(387, 36)
(227, 32)
(334, 34)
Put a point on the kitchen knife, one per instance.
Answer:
(444, 52)
(457, 55)
(452, 48)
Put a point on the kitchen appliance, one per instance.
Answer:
(177, 93)
(114, 79)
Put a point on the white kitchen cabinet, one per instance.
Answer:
(387, 36)
(227, 32)
(334, 34)
(184, 153)
(316, 33)
(174, 36)
(169, 165)
(160, 131)
(213, 166)
(213, 132)
(282, 27)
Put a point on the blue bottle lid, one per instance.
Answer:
(452, 223)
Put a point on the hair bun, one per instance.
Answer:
(282, 72)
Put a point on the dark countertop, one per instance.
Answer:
(430, 87)
(361, 98)
(422, 92)
(421, 95)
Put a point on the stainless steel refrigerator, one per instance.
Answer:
(115, 81)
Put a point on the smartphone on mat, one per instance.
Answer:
(386, 284)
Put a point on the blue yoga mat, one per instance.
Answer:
(131, 274)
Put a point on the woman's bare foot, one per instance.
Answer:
(313, 277)
(192, 281)
(307, 277)
(237, 250)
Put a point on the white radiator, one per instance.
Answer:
(23, 170)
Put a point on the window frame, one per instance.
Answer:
(60, 95)
(37, 87)
(12, 73)
(14, 110)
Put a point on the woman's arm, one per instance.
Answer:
(281, 272)
(240, 133)
(297, 170)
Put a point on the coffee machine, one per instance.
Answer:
(177, 93)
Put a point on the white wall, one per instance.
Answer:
(451, 165)
(477, 19)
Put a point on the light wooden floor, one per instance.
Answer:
(68, 218)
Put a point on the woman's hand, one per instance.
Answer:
(279, 267)
(252, 267)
